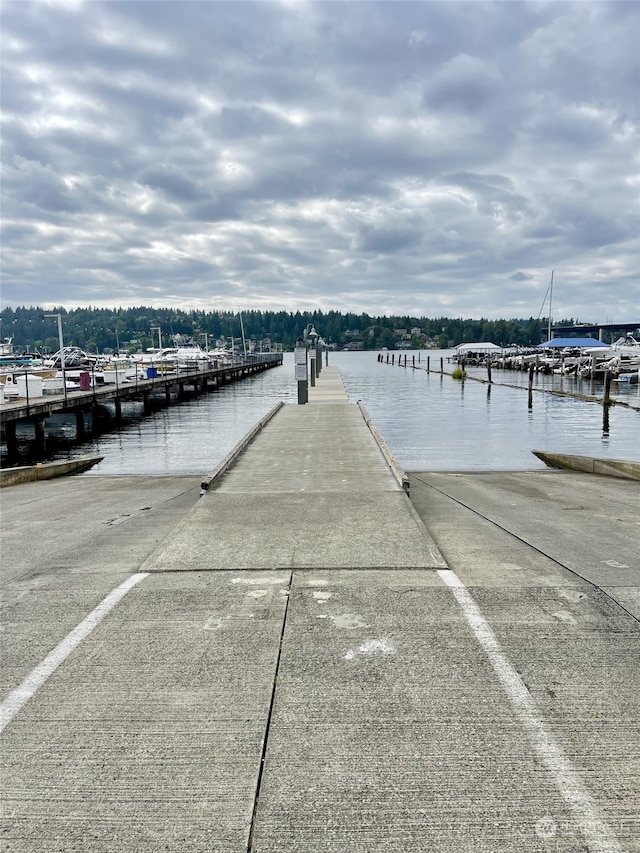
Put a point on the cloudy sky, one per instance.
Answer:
(429, 158)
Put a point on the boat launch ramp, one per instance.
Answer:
(304, 658)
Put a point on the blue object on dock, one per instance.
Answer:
(152, 372)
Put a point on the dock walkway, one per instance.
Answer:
(312, 490)
(296, 669)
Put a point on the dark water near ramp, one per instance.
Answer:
(431, 422)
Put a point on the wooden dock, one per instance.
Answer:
(169, 387)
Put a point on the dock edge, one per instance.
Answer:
(223, 466)
(399, 473)
(625, 469)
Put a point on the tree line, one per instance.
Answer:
(135, 329)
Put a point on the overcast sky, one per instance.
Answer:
(429, 158)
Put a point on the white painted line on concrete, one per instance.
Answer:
(37, 677)
(594, 829)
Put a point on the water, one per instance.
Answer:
(430, 422)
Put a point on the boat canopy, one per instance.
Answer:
(483, 346)
(563, 343)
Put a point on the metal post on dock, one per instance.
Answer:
(61, 344)
(300, 366)
(26, 385)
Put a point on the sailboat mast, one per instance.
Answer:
(550, 301)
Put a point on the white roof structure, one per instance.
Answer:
(483, 346)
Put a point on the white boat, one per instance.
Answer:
(626, 345)
(74, 358)
(630, 378)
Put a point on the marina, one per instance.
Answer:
(156, 383)
(306, 655)
(429, 420)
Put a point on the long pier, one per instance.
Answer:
(305, 657)
(170, 386)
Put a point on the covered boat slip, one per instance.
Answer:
(300, 664)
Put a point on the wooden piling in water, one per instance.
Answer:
(530, 396)
(606, 401)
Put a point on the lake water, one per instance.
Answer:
(430, 422)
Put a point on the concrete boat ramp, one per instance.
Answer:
(289, 663)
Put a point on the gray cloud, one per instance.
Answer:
(426, 158)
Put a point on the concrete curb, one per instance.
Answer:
(46, 471)
(622, 468)
(240, 447)
(399, 473)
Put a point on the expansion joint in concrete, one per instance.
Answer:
(265, 739)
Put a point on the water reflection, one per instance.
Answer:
(429, 420)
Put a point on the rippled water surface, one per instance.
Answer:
(430, 421)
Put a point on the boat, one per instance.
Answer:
(619, 358)
(631, 378)
(625, 345)
(74, 357)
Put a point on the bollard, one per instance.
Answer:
(312, 370)
(428, 364)
(489, 372)
(441, 365)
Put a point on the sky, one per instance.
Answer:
(423, 158)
